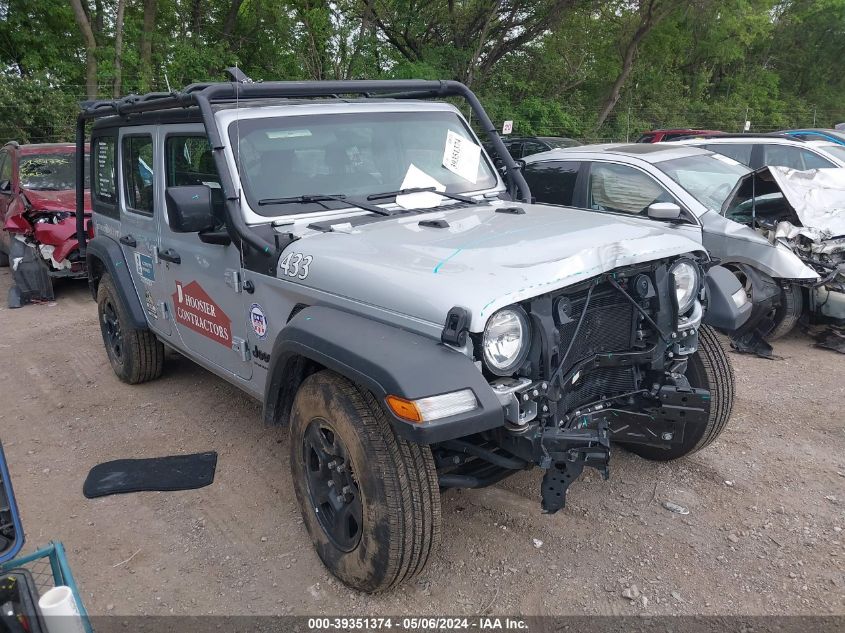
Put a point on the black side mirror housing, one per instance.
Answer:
(5, 186)
(189, 208)
(11, 532)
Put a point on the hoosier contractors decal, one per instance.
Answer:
(196, 310)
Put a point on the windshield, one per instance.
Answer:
(708, 177)
(837, 151)
(355, 155)
(50, 172)
(561, 142)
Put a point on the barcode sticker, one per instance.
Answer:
(461, 156)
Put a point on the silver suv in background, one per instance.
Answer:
(732, 211)
(358, 266)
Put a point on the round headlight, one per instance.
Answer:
(505, 341)
(686, 284)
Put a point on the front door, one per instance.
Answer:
(139, 219)
(203, 280)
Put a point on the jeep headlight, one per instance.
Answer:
(686, 284)
(505, 341)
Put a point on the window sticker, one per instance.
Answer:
(461, 156)
(416, 178)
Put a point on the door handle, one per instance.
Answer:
(169, 255)
(128, 240)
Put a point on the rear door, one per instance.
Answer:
(202, 281)
(139, 218)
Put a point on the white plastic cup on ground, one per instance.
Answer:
(58, 606)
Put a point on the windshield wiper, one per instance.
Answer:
(324, 197)
(405, 192)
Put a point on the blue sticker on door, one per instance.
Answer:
(145, 268)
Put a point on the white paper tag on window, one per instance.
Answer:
(416, 178)
(461, 156)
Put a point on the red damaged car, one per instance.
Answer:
(37, 208)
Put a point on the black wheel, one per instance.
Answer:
(709, 368)
(4, 258)
(786, 315)
(369, 499)
(135, 355)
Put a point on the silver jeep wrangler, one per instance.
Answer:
(347, 253)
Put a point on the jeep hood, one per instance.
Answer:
(481, 259)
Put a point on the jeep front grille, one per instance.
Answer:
(609, 326)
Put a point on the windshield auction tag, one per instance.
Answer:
(461, 156)
(416, 178)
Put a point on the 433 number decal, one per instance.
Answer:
(296, 265)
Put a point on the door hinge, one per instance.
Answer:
(163, 311)
(240, 346)
(233, 279)
(154, 253)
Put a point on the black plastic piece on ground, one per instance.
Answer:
(180, 472)
(753, 343)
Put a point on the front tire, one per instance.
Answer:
(369, 499)
(787, 313)
(135, 355)
(708, 368)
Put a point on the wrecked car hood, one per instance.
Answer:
(817, 196)
(481, 260)
(63, 200)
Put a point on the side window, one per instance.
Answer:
(552, 182)
(793, 157)
(189, 161)
(646, 138)
(532, 147)
(814, 161)
(623, 189)
(515, 149)
(740, 152)
(137, 166)
(104, 185)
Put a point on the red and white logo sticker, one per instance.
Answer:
(197, 311)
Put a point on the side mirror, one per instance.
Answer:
(5, 186)
(664, 211)
(11, 532)
(189, 208)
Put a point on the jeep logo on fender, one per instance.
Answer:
(196, 310)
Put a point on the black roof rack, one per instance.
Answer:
(243, 89)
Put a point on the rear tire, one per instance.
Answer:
(4, 258)
(788, 312)
(135, 355)
(386, 525)
(709, 368)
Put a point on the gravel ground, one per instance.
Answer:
(763, 535)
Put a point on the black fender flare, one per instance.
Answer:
(104, 254)
(383, 359)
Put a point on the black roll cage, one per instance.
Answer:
(202, 95)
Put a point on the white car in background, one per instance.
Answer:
(768, 226)
(773, 150)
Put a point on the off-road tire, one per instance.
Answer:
(709, 368)
(788, 312)
(396, 482)
(4, 258)
(138, 356)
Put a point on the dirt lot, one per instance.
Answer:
(763, 535)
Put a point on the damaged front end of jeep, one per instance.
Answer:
(606, 363)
